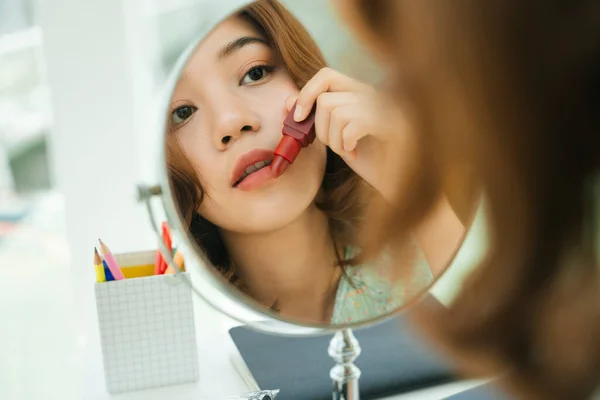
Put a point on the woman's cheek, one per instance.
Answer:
(316, 155)
(212, 174)
(282, 87)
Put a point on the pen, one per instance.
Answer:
(111, 262)
(100, 275)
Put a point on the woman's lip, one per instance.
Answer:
(256, 179)
(246, 160)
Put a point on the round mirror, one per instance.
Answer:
(276, 142)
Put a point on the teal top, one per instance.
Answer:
(366, 292)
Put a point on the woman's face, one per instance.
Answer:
(227, 113)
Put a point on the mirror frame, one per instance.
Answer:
(206, 284)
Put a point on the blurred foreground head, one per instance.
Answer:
(511, 90)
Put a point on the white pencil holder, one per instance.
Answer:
(147, 328)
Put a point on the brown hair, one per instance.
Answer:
(339, 195)
(511, 87)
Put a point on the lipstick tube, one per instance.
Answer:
(296, 136)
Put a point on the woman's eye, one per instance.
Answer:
(181, 114)
(255, 74)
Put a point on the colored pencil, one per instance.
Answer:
(111, 262)
(166, 234)
(166, 237)
(100, 275)
(107, 273)
(178, 259)
(158, 262)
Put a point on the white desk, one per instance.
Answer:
(218, 377)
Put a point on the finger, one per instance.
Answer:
(326, 103)
(352, 133)
(351, 155)
(326, 80)
(340, 118)
(289, 102)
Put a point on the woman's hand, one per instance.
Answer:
(354, 120)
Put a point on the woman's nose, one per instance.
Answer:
(231, 122)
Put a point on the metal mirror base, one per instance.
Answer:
(344, 349)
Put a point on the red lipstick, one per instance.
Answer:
(296, 136)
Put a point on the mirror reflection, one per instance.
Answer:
(277, 206)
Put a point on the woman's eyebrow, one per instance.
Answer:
(238, 43)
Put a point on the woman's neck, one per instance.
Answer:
(293, 267)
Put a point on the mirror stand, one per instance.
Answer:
(344, 349)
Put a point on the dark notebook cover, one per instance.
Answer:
(394, 360)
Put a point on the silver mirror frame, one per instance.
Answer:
(205, 282)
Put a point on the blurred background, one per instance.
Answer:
(80, 82)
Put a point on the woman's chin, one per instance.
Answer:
(265, 219)
(270, 209)
(268, 222)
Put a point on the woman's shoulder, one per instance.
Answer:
(365, 291)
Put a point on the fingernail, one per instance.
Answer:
(298, 113)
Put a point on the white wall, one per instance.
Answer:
(96, 55)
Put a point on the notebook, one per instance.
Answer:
(483, 392)
(394, 360)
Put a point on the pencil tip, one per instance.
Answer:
(97, 258)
